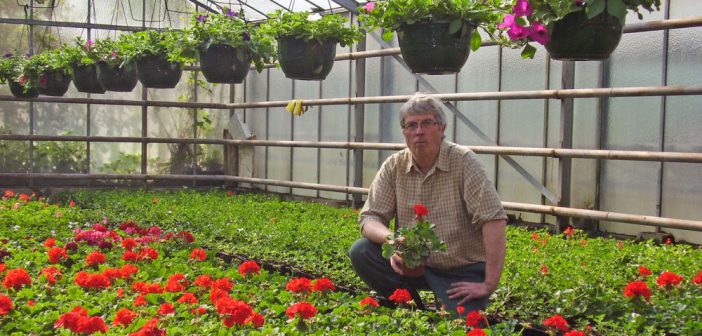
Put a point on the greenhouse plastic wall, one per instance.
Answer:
(657, 123)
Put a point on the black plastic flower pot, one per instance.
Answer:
(155, 71)
(430, 47)
(224, 64)
(306, 60)
(116, 78)
(20, 92)
(577, 38)
(85, 79)
(54, 83)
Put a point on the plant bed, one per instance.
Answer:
(586, 281)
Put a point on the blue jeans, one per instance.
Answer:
(375, 270)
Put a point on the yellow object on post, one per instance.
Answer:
(295, 107)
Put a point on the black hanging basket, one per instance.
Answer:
(85, 78)
(155, 71)
(54, 83)
(19, 91)
(221, 63)
(577, 38)
(306, 60)
(116, 78)
(429, 47)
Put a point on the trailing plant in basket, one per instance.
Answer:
(231, 29)
(529, 19)
(391, 15)
(82, 52)
(307, 26)
(175, 46)
(11, 67)
(414, 244)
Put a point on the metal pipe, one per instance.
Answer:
(640, 91)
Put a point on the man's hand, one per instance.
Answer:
(395, 262)
(467, 291)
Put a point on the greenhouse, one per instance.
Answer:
(331, 167)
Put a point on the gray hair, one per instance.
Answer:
(421, 104)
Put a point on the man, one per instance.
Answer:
(462, 203)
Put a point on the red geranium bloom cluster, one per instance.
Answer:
(124, 317)
(569, 231)
(148, 253)
(95, 258)
(176, 283)
(669, 279)
(186, 236)
(323, 284)
(636, 289)
(305, 310)
(400, 295)
(129, 244)
(249, 267)
(92, 280)
(78, 321)
(644, 272)
(150, 328)
(94, 237)
(6, 305)
(698, 279)
(299, 285)
(50, 242)
(574, 333)
(558, 322)
(475, 319)
(198, 254)
(188, 298)
(52, 274)
(9, 193)
(57, 255)
(166, 309)
(223, 284)
(24, 197)
(476, 332)
(369, 302)
(203, 281)
(16, 279)
(147, 288)
(233, 311)
(420, 210)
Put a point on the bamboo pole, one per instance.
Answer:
(544, 209)
(497, 150)
(643, 91)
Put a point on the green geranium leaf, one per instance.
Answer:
(387, 35)
(617, 8)
(455, 26)
(475, 40)
(597, 7)
(528, 52)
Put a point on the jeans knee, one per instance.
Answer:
(360, 250)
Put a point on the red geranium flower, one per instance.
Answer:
(95, 258)
(147, 288)
(188, 298)
(150, 328)
(186, 236)
(166, 308)
(256, 319)
(139, 301)
(23, 197)
(91, 325)
(558, 322)
(474, 319)
(323, 284)
(574, 333)
(50, 242)
(369, 301)
(6, 305)
(669, 279)
(224, 284)
(401, 295)
(544, 269)
(476, 332)
(299, 285)
(460, 309)
(204, 281)
(129, 244)
(148, 253)
(698, 279)
(95, 280)
(16, 279)
(52, 274)
(569, 231)
(644, 272)
(130, 256)
(249, 267)
(124, 317)
(234, 311)
(72, 319)
(420, 210)
(57, 255)
(303, 309)
(9, 193)
(198, 254)
(128, 270)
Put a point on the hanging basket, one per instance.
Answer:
(19, 91)
(577, 38)
(116, 78)
(221, 63)
(429, 47)
(155, 71)
(54, 83)
(85, 79)
(306, 60)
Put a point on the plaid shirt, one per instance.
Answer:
(457, 192)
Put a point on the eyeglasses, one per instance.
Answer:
(424, 125)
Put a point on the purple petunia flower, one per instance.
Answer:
(523, 8)
(539, 33)
(8, 55)
(245, 36)
(202, 18)
(230, 13)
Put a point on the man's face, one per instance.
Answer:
(423, 135)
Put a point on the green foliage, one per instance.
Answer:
(21, 69)
(307, 26)
(61, 156)
(81, 53)
(390, 15)
(125, 163)
(547, 11)
(414, 244)
(14, 155)
(109, 51)
(176, 46)
(10, 67)
(231, 29)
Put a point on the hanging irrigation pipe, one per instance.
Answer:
(665, 222)
(641, 91)
(497, 150)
